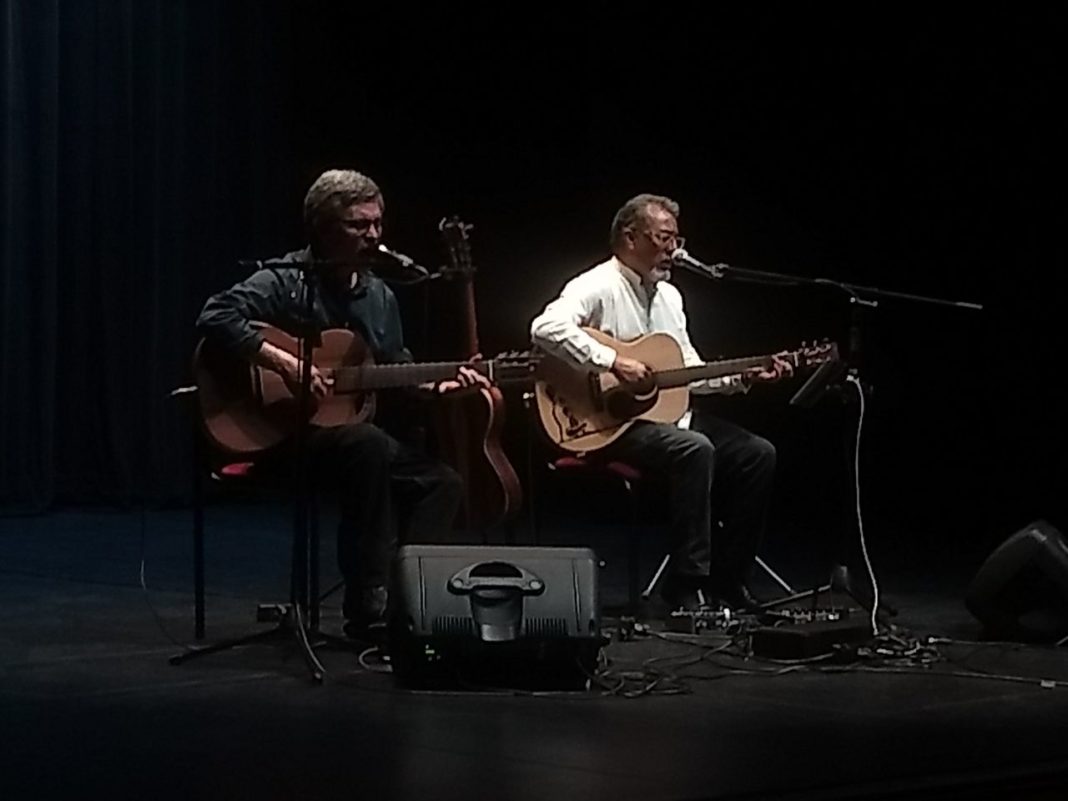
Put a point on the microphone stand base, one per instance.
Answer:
(290, 629)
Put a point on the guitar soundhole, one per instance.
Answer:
(626, 402)
(620, 404)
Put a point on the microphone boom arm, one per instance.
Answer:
(683, 259)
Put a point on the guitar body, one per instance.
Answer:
(583, 411)
(246, 409)
(469, 435)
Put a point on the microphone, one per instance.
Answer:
(405, 261)
(682, 258)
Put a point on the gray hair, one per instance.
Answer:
(335, 190)
(637, 208)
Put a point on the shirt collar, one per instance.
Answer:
(634, 279)
(357, 284)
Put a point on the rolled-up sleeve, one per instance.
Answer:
(227, 316)
(557, 329)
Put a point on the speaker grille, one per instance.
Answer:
(454, 626)
(544, 627)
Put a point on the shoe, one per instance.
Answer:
(684, 592)
(365, 602)
(365, 610)
(369, 631)
(735, 595)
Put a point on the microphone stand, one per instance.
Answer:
(303, 584)
(304, 574)
(310, 337)
(860, 297)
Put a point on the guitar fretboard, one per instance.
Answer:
(362, 378)
(680, 376)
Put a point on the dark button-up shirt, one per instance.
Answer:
(275, 295)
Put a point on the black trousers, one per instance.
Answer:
(715, 472)
(387, 491)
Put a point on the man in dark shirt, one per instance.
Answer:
(386, 489)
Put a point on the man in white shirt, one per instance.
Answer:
(625, 297)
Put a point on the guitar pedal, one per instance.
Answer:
(704, 620)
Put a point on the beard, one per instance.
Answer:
(660, 272)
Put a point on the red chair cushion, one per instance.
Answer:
(235, 470)
(627, 472)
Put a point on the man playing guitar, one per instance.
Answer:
(387, 490)
(629, 296)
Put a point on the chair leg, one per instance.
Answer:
(634, 548)
(316, 597)
(313, 545)
(198, 541)
(648, 591)
(534, 513)
(198, 573)
(334, 588)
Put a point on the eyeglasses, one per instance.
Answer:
(663, 239)
(362, 226)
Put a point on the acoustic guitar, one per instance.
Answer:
(584, 411)
(470, 426)
(246, 409)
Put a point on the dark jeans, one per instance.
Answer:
(387, 492)
(715, 472)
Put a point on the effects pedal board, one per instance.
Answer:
(806, 633)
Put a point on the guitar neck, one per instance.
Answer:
(369, 377)
(680, 376)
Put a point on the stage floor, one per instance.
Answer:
(90, 707)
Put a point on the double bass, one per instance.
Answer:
(470, 425)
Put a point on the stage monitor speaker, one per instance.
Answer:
(484, 615)
(1021, 591)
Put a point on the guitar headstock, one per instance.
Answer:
(456, 235)
(828, 374)
(817, 353)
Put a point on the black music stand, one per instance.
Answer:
(827, 378)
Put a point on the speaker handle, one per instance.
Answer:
(497, 576)
(496, 591)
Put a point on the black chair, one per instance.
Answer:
(617, 476)
(240, 478)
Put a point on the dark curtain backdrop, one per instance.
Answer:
(140, 153)
(148, 145)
